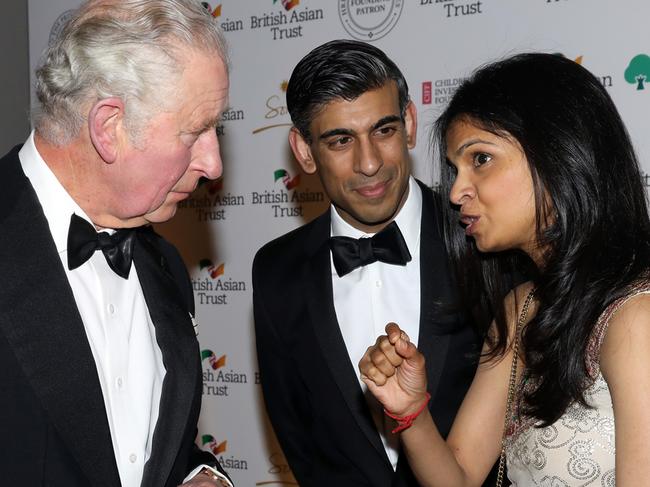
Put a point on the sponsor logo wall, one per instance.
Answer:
(262, 195)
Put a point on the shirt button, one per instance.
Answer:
(133, 458)
(378, 283)
(119, 382)
(111, 309)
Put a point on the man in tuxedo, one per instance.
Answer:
(100, 375)
(324, 292)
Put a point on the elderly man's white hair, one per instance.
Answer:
(131, 49)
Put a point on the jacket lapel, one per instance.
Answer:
(434, 336)
(317, 273)
(42, 323)
(177, 342)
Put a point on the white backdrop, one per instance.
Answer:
(261, 195)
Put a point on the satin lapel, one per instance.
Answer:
(433, 341)
(40, 319)
(180, 353)
(317, 273)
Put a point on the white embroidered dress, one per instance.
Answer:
(577, 450)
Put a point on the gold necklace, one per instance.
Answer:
(512, 384)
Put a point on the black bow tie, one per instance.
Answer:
(386, 246)
(83, 241)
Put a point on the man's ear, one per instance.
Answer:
(411, 123)
(105, 123)
(302, 151)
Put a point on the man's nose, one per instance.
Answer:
(208, 158)
(369, 158)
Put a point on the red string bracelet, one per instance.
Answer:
(404, 422)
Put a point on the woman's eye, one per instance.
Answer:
(481, 158)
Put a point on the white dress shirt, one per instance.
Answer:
(118, 326)
(371, 296)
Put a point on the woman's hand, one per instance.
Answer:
(393, 369)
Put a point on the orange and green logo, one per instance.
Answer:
(286, 178)
(214, 270)
(215, 12)
(212, 359)
(209, 442)
(288, 4)
(577, 60)
(638, 71)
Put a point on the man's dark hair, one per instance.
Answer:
(339, 69)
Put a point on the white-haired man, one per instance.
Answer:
(99, 365)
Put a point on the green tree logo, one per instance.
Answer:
(638, 71)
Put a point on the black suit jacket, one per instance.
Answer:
(310, 386)
(52, 418)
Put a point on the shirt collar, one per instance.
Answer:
(58, 206)
(408, 219)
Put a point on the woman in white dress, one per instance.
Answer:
(543, 182)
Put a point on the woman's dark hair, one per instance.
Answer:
(592, 216)
(339, 69)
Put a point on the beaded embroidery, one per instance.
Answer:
(579, 448)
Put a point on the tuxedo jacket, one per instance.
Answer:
(311, 389)
(53, 422)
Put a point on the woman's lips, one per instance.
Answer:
(470, 223)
